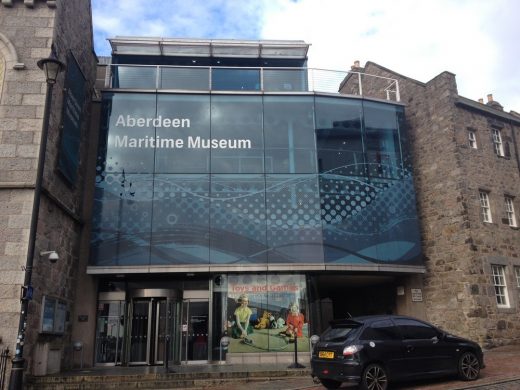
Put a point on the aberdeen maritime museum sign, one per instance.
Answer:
(125, 141)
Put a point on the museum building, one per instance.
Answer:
(238, 193)
(218, 200)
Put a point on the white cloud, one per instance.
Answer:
(416, 38)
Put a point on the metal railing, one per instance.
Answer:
(4, 359)
(249, 79)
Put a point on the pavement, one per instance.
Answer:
(502, 372)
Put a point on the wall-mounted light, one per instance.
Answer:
(53, 255)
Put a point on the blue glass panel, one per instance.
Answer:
(179, 148)
(293, 219)
(126, 130)
(285, 80)
(229, 79)
(142, 77)
(290, 145)
(349, 218)
(121, 221)
(236, 128)
(237, 219)
(398, 238)
(180, 224)
(189, 78)
(383, 151)
(338, 136)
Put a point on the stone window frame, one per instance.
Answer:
(472, 139)
(509, 209)
(485, 206)
(499, 280)
(498, 144)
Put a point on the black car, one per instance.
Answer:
(374, 350)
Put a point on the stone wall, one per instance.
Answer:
(26, 35)
(458, 247)
(34, 30)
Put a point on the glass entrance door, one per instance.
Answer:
(148, 321)
(109, 332)
(195, 330)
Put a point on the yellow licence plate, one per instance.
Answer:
(326, 354)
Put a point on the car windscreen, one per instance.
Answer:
(338, 333)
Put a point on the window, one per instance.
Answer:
(499, 282)
(497, 142)
(484, 207)
(53, 316)
(381, 330)
(517, 274)
(510, 211)
(472, 139)
(415, 330)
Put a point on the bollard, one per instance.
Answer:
(166, 351)
(296, 364)
(78, 347)
(224, 342)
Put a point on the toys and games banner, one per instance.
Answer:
(267, 313)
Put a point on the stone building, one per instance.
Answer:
(31, 30)
(467, 180)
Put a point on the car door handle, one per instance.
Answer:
(409, 348)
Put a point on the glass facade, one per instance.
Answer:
(187, 179)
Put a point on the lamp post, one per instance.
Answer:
(51, 68)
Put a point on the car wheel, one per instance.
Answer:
(469, 366)
(374, 378)
(330, 383)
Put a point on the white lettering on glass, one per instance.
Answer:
(130, 121)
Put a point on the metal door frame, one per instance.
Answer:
(195, 296)
(153, 297)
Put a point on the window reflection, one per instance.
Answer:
(382, 140)
(121, 133)
(235, 79)
(290, 145)
(185, 159)
(338, 136)
(237, 119)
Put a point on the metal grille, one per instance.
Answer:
(4, 358)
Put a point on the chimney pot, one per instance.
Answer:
(490, 97)
(481, 100)
(356, 64)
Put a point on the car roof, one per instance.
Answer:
(359, 320)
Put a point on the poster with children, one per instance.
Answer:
(267, 313)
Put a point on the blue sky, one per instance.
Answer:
(477, 40)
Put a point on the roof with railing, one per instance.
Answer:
(233, 66)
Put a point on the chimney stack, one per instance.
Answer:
(490, 97)
(481, 100)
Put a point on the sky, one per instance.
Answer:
(478, 40)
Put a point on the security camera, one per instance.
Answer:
(53, 256)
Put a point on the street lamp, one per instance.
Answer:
(51, 68)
